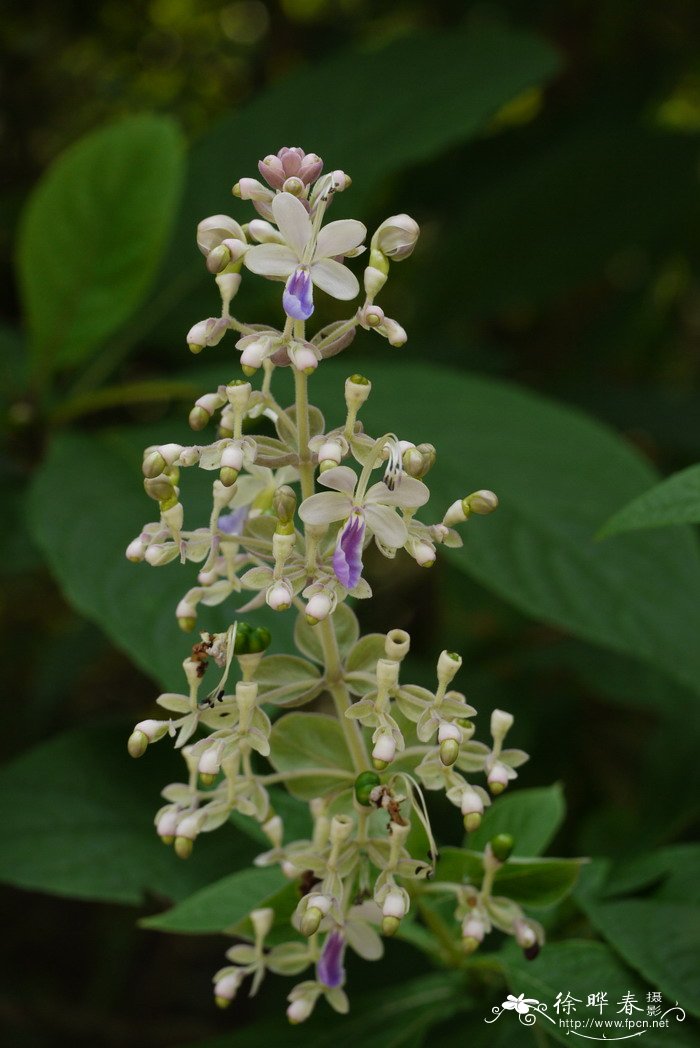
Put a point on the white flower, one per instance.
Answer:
(302, 252)
(377, 506)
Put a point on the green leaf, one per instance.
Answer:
(675, 500)
(531, 882)
(308, 639)
(78, 821)
(532, 817)
(473, 73)
(286, 680)
(220, 905)
(86, 504)
(583, 968)
(93, 235)
(559, 475)
(390, 1017)
(311, 740)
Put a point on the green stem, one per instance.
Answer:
(306, 469)
(433, 920)
(341, 696)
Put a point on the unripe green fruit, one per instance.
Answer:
(259, 640)
(365, 782)
(198, 418)
(137, 744)
(502, 845)
(243, 632)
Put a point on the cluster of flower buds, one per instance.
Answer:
(291, 518)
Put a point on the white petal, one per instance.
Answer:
(325, 508)
(342, 478)
(293, 221)
(409, 493)
(271, 260)
(386, 525)
(338, 238)
(334, 278)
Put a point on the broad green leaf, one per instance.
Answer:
(286, 680)
(582, 968)
(532, 817)
(473, 73)
(531, 882)
(558, 475)
(659, 939)
(390, 1017)
(86, 504)
(222, 904)
(675, 500)
(314, 741)
(78, 821)
(93, 235)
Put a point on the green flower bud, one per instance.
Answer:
(284, 503)
(481, 502)
(365, 782)
(310, 921)
(137, 744)
(502, 845)
(153, 464)
(449, 752)
(199, 417)
(158, 488)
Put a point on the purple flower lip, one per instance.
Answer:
(233, 523)
(329, 969)
(298, 299)
(347, 558)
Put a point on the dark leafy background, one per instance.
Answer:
(550, 152)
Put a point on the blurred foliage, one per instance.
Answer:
(561, 222)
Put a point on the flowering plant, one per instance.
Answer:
(291, 518)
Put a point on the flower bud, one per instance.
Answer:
(226, 988)
(228, 285)
(300, 1010)
(158, 488)
(293, 185)
(186, 615)
(303, 358)
(384, 751)
(279, 595)
(198, 418)
(456, 514)
(394, 904)
(210, 763)
(137, 744)
(330, 452)
(374, 280)
(135, 551)
(167, 826)
(472, 808)
(390, 926)
(497, 778)
(393, 332)
(318, 608)
(481, 502)
(311, 920)
(502, 846)
(284, 503)
(218, 258)
(206, 333)
(212, 231)
(501, 723)
(449, 738)
(424, 554)
(187, 831)
(153, 464)
(473, 931)
(396, 237)
(370, 316)
(251, 189)
(232, 457)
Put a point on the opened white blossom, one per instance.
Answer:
(308, 257)
(295, 500)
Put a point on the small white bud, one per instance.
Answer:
(232, 456)
(300, 1010)
(303, 358)
(210, 761)
(471, 803)
(396, 237)
(394, 904)
(384, 749)
(330, 452)
(318, 608)
(424, 554)
(473, 928)
(135, 551)
(525, 935)
(393, 332)
(279, 595)
(498, 778)
(226, 988)
(455, 514)
(449, 731)
(166, 826)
